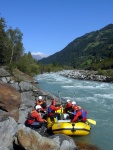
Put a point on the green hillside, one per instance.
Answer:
(90, 51)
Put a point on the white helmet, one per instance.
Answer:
(74, 102)
(40, 97)
(37, 107)
(68, 100)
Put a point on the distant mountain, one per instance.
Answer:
(85, 50)
(38, 55)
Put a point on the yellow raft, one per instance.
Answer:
(66, 127)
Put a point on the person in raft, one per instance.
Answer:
(79, 115)
(72, 110)
(51, 110)
(35, 118)
(68, 106)
(40, 101)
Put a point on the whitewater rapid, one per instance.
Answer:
(95, 97)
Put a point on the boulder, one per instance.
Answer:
(25, 86)
(10, 100)
(28, 102)
(65, 142)
(4, 73)
(86, 146)
(8, 129)
(29, 139)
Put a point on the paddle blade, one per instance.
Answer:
(91, 121)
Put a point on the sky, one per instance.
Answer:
(48, 26)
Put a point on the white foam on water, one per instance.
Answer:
(68, 86)
(82, 85)
(66, 97)
(106, 96)
(56, 78)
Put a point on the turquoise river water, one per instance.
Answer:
(95, 97)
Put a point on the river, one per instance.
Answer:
(95, 97)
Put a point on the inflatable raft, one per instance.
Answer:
(64, 126)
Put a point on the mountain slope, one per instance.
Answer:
(91, 47)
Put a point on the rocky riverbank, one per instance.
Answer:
(86, 75)
(18, 92)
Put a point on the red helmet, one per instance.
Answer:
(53, 102)
(76, 108)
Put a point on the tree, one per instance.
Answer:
(15, 45)
(3, 43)
(28, 65)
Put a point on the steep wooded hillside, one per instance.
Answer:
(84, 51)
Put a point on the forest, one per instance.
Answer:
(92, 51)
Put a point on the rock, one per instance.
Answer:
(85, 75)
(4, 73)
(10, 100)
(65, 142)
(86, 146)
(20, 76)
(3, 79)
(25, 86)
(15, 85)
(8, 129)
(3, 148)
(28, 102)
(29, 139)
(4, 115)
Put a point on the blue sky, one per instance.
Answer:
(48, 26)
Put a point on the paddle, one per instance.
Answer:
(91, 121)
(61, 114)
(59, 97)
